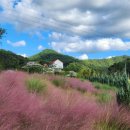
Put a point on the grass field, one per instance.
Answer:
(49, 102)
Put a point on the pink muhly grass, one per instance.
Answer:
(15, 103)
(113, 117)
(81, 85)
(21, 110)
(84, 86)
(70, 112)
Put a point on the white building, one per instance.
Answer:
(57, 64)
(31, 63)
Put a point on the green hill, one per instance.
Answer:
(120, 66)
(104, 64)
(48, 55)
(99, 65)
(9, 60)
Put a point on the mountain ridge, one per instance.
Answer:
(48, 55)
(10, 60)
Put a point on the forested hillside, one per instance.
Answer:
(120, 66)
(49, 55)
(104, 64)
(98, 65)
(9, 60)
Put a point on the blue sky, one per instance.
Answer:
(83, 29)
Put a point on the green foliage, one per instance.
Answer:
(76, 66)
(48, 56)
(58, 71)
(72, 74)
(104, 86)
(108, 126)
(103, 97)
(116, 79)
(102, 65)
(119, 67)
(123, 96)
(1, 67)
(86, 72)
(59, 82)
(36, 85)
(9, 60)
(33, 68)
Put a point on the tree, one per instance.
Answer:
(85, 73)
(2, 32)
(75, 66)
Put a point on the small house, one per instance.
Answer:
(57, 64)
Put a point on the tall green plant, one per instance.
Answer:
(123, 96)
(36, 85)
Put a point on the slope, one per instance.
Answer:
(9, 60)
(48, 55)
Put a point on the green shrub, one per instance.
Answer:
(59, 82)
(123, 95)
(104, 86)
(103, 97)
(33, 69)
(36, 85)
(107, 126)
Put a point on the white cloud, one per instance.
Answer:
(17, 44)
(109, 57)
(100, 18)
(55, 35)
(24, 55)
(83, 57)
(76, 44)
(40, 47)
(84, 26)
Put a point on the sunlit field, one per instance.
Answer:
(49, 102)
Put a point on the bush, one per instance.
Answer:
(36, 85)
(103, 97)
(59, 82)
(103, 86)
(33, 69)
(72, 74)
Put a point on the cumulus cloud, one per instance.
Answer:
(83, 57)
(78, 25)
(40, 47)
(17, 44)
(76, 44)
(100, 18)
